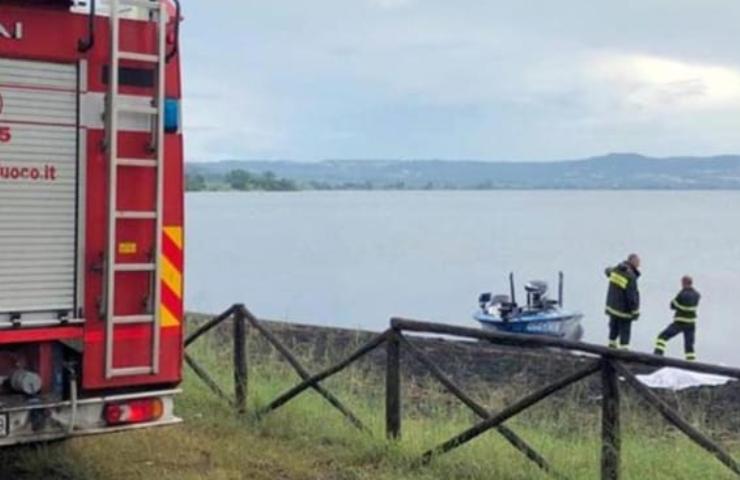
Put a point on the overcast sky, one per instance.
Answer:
(469, 79)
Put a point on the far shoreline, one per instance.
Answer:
(469, 190)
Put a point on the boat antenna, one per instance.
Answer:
(560, 289)
(512, 290)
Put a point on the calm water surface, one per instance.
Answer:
(355, 259)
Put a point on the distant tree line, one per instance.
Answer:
(268, 181)
(195, 182)
(240, 180)
(245, 181)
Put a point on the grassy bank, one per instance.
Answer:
(309, 440)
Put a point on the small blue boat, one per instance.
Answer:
(540, 316)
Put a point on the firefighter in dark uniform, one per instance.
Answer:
(623, 301)
(684, 320)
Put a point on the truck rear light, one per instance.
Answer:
(133, 411)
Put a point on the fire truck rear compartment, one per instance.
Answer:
(74, 358)
(39, 268)
(39, 235)
(38, 198)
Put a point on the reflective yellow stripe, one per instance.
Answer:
(690, 357)
(167, 318)
(171, 276)
(174, 234)
(684, 319)
(683, 307)
(661, 343)
(613, 344)
(624, 346)
(617, 313)
(619, 280)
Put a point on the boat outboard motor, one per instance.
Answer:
(500, 305)
(500, 299)
(483, 300)
(536, 293)
(505, 306)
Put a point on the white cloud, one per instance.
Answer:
(492, 80)
(658, 83)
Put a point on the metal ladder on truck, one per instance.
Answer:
(116, 105)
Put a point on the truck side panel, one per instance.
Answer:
(58, 45)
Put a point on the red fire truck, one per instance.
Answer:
(91, 216)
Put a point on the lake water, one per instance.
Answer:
(354, 259)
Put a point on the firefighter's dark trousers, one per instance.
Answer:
(620, 331)
(675, 328)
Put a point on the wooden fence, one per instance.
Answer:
(611, 364)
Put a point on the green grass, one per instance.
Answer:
(308, 439)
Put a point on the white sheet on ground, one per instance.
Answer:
(679, 379)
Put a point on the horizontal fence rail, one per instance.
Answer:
(534, 341)
(610, 363)
(510, 411)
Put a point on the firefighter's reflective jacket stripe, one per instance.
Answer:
(623, 297)
(619, 280)
(676, 328)
(616, 313)
(617, 345)
(686, 304)
(678, 306)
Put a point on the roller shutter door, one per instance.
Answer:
(38, 190)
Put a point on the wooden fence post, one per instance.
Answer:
(240, 360)
(393, 387)
(610, 425)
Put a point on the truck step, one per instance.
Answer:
(134, 267)
(133, 319)
(135, 215)
(136, 162)
(138, 57)
(131, 371)
(141, 109)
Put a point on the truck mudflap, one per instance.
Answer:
(39, 422)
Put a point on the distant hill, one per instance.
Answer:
(614, 171)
